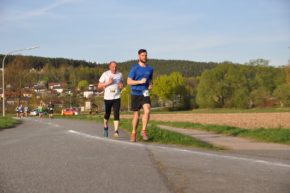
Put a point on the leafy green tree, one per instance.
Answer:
(222, 86)
(241, 98)
(171, 88)
(258, 62)
(162, 88)
(287, 71)
(126, 98)
(206, 93)
(191, 87)
(259, 97)
(83, 84)
(265, 77)
(282, 92)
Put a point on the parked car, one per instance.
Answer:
(34, 112)
(70, 111)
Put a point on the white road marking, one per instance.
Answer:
(277, 164)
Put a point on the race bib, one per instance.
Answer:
(146, 93)
(113, 90)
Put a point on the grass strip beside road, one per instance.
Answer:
(275, 135)
(8, 122)
(162, 136)
(155, 134)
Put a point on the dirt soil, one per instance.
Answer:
(242, 120)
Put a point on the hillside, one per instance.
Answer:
(187, 68)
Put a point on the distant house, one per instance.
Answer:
(68, 91)
(52, 85)
(26, 92)
(12, 100)
(88, 93)
(16, 100)
(10, 93)
(39, 88)
(52, 93)
(93, 87)
(92, 90)
(58, 89)
(57, 86)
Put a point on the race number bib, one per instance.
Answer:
(146, 93)
(113, 90)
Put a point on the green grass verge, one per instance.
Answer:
(275, 135)
(8, 122)
(155, 134)
(161, 136)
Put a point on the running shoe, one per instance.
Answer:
(116, 134)
(133, 137)
(144, 135)
(106, 132)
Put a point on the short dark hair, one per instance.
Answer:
(142, 51)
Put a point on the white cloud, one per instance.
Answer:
(20, 15)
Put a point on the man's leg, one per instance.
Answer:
(146, 116)
(116, 107)
(116, 125)
(145, 120)
(108, 107)
(135, 122)
(106, 123)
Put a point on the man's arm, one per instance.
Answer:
(130, 81)
(150, 85)
(102, 84)
(121, 84)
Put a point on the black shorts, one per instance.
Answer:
(116, 104)
(137, 102)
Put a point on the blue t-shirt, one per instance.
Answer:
(137, 73)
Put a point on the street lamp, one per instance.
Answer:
(3, 62)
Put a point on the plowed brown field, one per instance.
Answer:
(242, 120)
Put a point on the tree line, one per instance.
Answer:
(177, 84)
(227, 85)
(29, 70)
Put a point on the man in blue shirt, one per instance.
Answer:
(140, 79)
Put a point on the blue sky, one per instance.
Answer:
(105, 30)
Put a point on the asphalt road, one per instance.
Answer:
(70, 156)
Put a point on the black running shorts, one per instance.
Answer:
(115, 103)
(137, 102)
